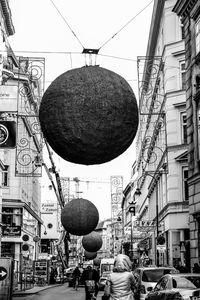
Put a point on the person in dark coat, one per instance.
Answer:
(76, 274)
(90, 274)
(53, 275)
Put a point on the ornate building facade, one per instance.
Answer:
(189, 12)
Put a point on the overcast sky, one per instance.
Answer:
(59, 30)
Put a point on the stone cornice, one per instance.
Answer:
(4, 5)
(154, 32)
(183, 7)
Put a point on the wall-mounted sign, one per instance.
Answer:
(8, 98)
(6, 282)
(11, 230)
(49, 207)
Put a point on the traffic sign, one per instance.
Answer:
(3, 273)
(6, 278)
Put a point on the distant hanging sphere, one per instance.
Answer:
(89, 115)
(90, 255)
(96, 262)
(92, 242)
(79, 216)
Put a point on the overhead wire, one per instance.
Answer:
(114, 35)
(67, 23)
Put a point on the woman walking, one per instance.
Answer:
(120, 283)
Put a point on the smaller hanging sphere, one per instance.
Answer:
(79, 216)
(90, 255)
(92, 242)
(96, 262)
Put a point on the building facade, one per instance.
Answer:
(20, 149)
(162, 168)
(189, 12)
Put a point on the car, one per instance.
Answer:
(147, 277)
(182, 286)
(102, 280)
(69, 276)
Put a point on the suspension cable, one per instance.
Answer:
(66, 23)
(114, 35)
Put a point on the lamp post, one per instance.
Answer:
(132, 212)
(138, 192)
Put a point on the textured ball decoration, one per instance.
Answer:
(92, 242)
(96, 262)
(89, 115)
(79, 216)
(90, 255)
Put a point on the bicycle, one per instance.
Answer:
(41, 281)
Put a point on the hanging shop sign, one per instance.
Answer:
(11, 230)
(8, 98)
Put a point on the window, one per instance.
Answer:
(184, 128)
(182, 75)
(11, 216)
(5, 176)
(185, 184)
(198, 127)
(197, 36)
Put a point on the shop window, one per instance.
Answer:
(198, 127)
(5, 181)
(182, 29)
(182, 75)
(11, 216)
(7, 249)
(183, 128)
(185, 184)
(197, 35)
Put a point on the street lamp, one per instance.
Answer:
(132, 212)
(138, 192)
(45, 229)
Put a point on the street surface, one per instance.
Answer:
(62, 292)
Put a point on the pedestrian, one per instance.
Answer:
(90, 274)
(120, 283)
(196, 268)
(53, 274)
(76, 276)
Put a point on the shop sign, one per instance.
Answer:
(161, 248)
(11, 230)
(49, 207)
(8, 98)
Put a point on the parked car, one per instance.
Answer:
(147, 277)
(69, 276)
(182, 286)
(102, 280)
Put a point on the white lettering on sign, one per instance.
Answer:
(48, 207)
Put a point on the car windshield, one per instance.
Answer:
(188, 282)
(154, 275)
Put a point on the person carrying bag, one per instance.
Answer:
(120, 284)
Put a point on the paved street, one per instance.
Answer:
(61, 292)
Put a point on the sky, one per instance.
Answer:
(58, 30)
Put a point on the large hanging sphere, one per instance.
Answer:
(90, 255)
(79, 217)
(92, 242)
(89, 115)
